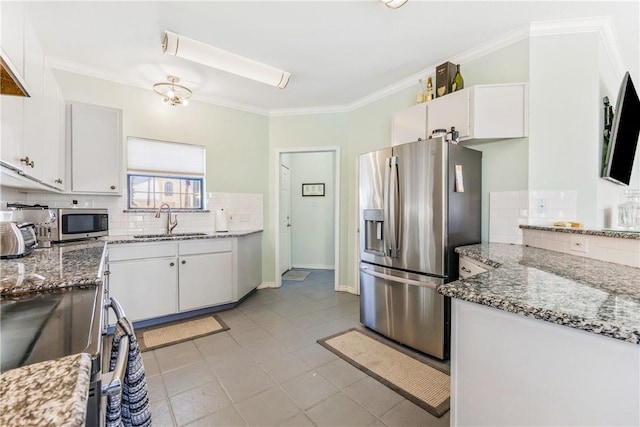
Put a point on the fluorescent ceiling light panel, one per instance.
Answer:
(194, 50)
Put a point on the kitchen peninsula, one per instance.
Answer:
(544, 338)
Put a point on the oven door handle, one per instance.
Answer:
(114, 387)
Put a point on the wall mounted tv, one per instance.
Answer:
(620, 151)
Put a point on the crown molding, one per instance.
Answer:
(602, 25)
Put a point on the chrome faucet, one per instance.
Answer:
(170, 224)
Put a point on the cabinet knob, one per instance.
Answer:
(58, 181)
(172, 264)
(27, 161)
(184, 262)
(107, 272)
(113, 187)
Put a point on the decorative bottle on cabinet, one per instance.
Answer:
(428, 96)
(458, 81)
(420, 95)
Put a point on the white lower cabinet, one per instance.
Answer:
(163, 278)
(147, 288)
(205, 278)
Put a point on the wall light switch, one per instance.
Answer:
(579, 244)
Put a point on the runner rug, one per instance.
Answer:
(176, 332)
(420, 383)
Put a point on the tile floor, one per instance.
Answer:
(268, 370)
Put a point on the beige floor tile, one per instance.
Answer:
(341, 373)
(407, 414)
(375, 397)
(227, 417)
(161, 414)
(268, 408)
(308, 389)
(187, 377)
(198, 402)
(285, 368)
(177, 355)
(340, 410)
(245, 383)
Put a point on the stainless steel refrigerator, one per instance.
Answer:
(418, 202)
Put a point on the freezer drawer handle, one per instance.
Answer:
(430, 285)
(114, 387)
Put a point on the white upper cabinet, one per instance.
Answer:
(12, 31)
(479, 112)
(409, 125)
(32, 132)
(96, 149)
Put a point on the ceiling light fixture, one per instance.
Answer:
(194, 50)
(172, 92)
(393, 4)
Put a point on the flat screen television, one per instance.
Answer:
(621, 148)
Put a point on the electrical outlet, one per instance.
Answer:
(541, 206)
(579, 244)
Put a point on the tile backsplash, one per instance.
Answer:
(510, 209)
(244, 211)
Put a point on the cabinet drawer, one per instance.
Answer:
(141, 251)
(205, 246)
(468, 268)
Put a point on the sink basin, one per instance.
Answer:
(149, 236)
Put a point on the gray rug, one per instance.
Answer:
(295, 275)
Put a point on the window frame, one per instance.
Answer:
(154, 176)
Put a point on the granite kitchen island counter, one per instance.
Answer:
(548, 338)
(51, 393)
(582, 293)
(156, 237)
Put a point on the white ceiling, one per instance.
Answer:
(338, 52)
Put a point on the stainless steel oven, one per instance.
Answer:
(49, 325)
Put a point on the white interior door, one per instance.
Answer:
(285, 219)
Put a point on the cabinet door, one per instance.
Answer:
(449, 111)
(410, 124)
(12, 34)
(205, 280)
(96, 149)
(34, 105)
(145, 288)
(499, 111)
(54, 131)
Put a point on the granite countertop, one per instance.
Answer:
(52, 393)
(156, 237)
(618, 234)
(582, 293)
(60, 266)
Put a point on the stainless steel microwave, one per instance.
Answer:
(79, 223)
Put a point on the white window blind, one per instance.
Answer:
(165, 158)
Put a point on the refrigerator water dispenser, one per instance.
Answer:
(373, 234)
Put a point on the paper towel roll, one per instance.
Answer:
(221, 220)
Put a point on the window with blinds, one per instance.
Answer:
(165, 172)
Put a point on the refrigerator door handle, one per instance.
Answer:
(390, 278)
(386, 207)
(394, 207)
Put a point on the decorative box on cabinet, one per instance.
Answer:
(95, 148)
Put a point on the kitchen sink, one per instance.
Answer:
(150, 236)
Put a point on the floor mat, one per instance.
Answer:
(183, 330)
(420, 383)
(295, 275)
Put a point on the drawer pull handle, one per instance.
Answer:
(465, 269)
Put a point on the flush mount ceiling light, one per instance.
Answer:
(393, 4)
(172, 92)
(194, 50)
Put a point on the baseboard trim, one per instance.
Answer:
(267, 285)
(315, 266)
(348, 289)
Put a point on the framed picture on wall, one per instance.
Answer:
(314, 189)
